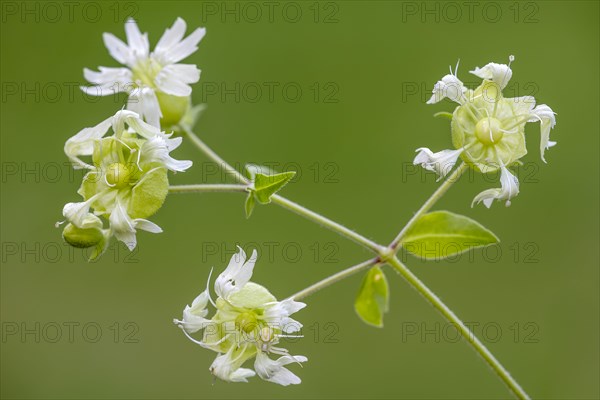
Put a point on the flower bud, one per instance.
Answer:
(82, 238)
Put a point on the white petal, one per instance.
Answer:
(122, 226)
(234, 278)
(170, 83)
(117, 49)
(182, 49)
(273, 370)
(82, 144)
(441, 162)
(509, 189)
(498, 73)
(146, 225)
(224, 368)
(138, 43)
(547, 119)
(451, 87)
(144, 102)
(171, 37)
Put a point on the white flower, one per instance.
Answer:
(498, 73)
(509, 189)
(124, 227)
(547, 119)
(274, 370)
(236, 275)
(249, 322)
(450, 86)
(147, 73)
(441, 162)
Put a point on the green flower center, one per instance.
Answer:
(489, 131)
(246, 322)
(118, 175)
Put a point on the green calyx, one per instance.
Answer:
(490, 127)
(173, 108)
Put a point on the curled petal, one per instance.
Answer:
(451, 87)
(497, 73)
(441, 162)
(82, 144)
(509, 189)
(236, 275)
(547, 119)
(124, 227)
(274, 370)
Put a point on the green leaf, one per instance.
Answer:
(266, 186)
(250, 203)
(441, 234)
(373, 298)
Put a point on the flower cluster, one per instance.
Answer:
(127, 180)
(488, 129)
(248, 323)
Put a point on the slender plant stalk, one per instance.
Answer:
(215, 157)
(202, 188)
(479, 347)
(440, 191)
(326, 222)
(322, 284)
(385, 254)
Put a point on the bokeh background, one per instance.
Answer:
(73, 329)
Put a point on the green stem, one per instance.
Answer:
(440, 191)
(288, 204)
(322, 284)
(479, 347)
(326, 222)
(207, 188)
(215, 157)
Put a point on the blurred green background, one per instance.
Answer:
(72, 329)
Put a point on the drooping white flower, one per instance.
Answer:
(249, 322)
(547, 119)
(125, 228)
(497, 73)
(441, 162)
(449, 86)
(147, 73)
(274, 370)
(509, 189)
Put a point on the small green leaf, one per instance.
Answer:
(373, 298)
(441, 234)
(266, 186)
(253, 169)
(250, 203)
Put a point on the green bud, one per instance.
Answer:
(82, 238)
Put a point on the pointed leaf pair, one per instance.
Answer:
(265, 185)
